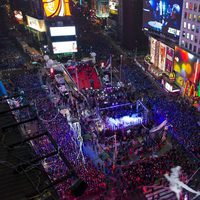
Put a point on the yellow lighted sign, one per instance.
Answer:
(54, 8)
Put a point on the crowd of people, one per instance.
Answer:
(10, 57)
(132, 168)
(137, 161)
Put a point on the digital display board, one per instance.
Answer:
(18, 16)
(62, 31)
(162, 56)
(54, 8)
(186, 66)
(163, 16)
(156, 60)
(64, 47)
(36, 24)
(102, 8)
(169, 59)
(152, 49)
(113, 6)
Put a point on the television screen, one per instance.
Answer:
(102, 8)
(186, 66)
(162, 56)
(169, 59)
(64, 47)
(62, 31)
(163, 16)
(113, 6)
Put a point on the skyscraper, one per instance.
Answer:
(190, 26)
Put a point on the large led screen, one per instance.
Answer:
(54, 8)
(152, 49)
(162, 56)
(102, 8)
(62, 31)
(163, 16)
(186, 66)
(169, 59)
(156, 60)
(37, 24)
(64, 47)
(113, 6)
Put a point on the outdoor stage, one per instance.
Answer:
(125, 116)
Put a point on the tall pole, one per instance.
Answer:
(120, 70)
(111, 71)
(77, 78)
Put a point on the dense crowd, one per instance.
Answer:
(9, 55)
(184, 118)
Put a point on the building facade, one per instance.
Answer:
(190, 27)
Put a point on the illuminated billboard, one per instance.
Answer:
(113, 6)
(64, 47)
(62, 31)
(18, 16)
(36, 24)
(156, 60)
(163, 16)
(169, 59)
(186, 66)
(54, 8)
(152, 49)
(102, 8)
(162, 56)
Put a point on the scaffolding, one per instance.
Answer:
(141, 108)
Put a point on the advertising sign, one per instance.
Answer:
(36, 24)
(156, 60)
(64, 47)
(54, 8)
(162, 56)
(113, 6)
(102, 8)
(18, 16)
(62, 31)
(163, 16)
(186, 66)
(169, 59)
(152, 49)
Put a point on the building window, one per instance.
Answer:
(194, 49)
(184, 24)
(188, 35)
(189, 25)
(193, 27)
(191, 6)
(199, 50)
(197, 29)
(186, 45)
(195, 7)
(186, 5)
(198, 19)
(183, 43)
(190, 47)
(183, 34)
(190, 16)
(195, 39)
(185, 15)
(192, 37)
(199, 7)
(194, 17)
